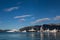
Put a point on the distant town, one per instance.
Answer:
(37, 28)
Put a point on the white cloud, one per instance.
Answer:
(11, 9)
(22, 20)
(40, 20)
(23, 16)
(57, 18)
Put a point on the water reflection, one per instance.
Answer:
(53, 36)
(41, 36)
(31, 36)
(47, 36)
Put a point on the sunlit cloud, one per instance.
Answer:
(40, 20)
(23, 16)
(57, 18)
(11, 9)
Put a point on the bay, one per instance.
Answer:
(29, 36)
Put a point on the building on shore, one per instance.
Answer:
(24, 31)
(47, 30)
(32, 30)
(52, 31)
(41, 29)
(13, 30)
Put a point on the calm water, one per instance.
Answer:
(30, 36)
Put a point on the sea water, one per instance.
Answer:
(29, 36)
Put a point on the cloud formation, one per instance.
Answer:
(22, 20)
(23, 16)
(40, 20)
(11, 9)
(57, 18)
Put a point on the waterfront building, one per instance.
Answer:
(41, 29)
(24, 31)
(32, 30)
(13, 30)
(54, 30)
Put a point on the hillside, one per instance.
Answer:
(45, 26)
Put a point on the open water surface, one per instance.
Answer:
(29, 36)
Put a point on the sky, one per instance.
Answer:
(15, 14)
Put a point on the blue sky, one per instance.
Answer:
(15, 14)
